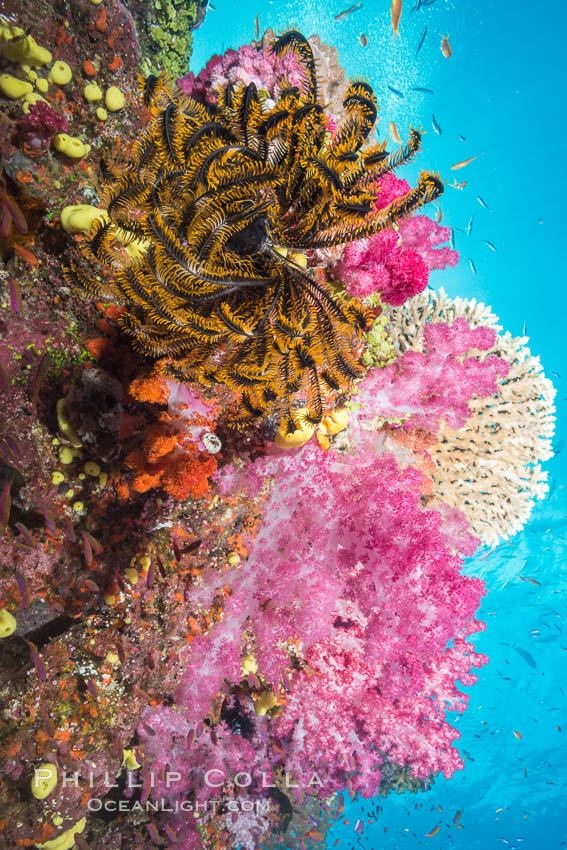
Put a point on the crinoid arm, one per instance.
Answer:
(204, 223)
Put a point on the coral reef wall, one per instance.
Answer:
(212, 637)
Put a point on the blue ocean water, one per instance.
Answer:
(502, 90)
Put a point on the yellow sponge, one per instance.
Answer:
(20, 48)
(44, 780)
(114, 99)
(7, 623)
(31, 98)
(92, 92)
(66, 840)
(14, 88)
(295, 439)
(60, 73)
(73, 148)
(79, 218)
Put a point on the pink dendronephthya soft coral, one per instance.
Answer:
(243, 66)
(437, 384)
(395, 264)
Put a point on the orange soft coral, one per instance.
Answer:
(181, 471)
(152, 388)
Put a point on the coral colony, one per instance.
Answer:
(240, 477)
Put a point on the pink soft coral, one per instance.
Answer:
(437, 384)
(394, 263)
(40, 124)
(243, 66)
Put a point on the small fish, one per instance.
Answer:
(518, 735)
(446, 47)
(37, 662)
(468, 755)
(472, 265)
(468, 228)
(416, 7)
(464, 162)
(452, 239)
(433, 832)
(436, 126)
(532, 580)
(457, 817)
(49, 521)
(394, 133)
(483, 203)
(527, 656)
(490, 245)
(439, 215)
(421, 40)
(363, 39)
(348, 11)
(396, 14)
(154, 833)
(421, 89)
(4, 379)
(397, 92)
(5, 504)
(15, 295)
(257, 27)
(26, 255)
(461, 137)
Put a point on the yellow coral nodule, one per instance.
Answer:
(44, 780)
(66, 840)
(8, 623)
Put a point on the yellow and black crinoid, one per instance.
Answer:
(220, 203)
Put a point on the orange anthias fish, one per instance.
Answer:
(396, 13)
(464, 162)
(433, 832)
(394, 133)
(446, 47)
